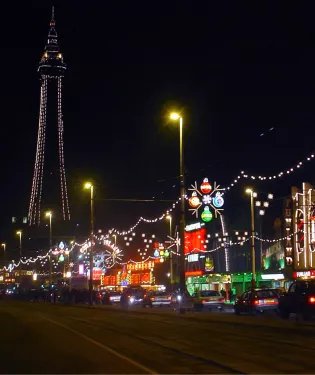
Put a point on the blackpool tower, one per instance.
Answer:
(51, 69)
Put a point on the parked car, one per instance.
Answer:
(300, 299)
(279, 291)
(256, 301)
(210, 299)
(157, 299)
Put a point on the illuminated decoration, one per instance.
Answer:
(304, 227)
(303, 274)
(281, 174)
(210, 197)
(51, 70)
(194, 200)
(113, 254)
(205, 187)
(194, 226)
(160, 252)
(209, 264)
(97, 273)
(81, 269)
(193, 257)
(274, 257)
(218, 200)
(148, 241)
(195, 241)
(206, 216)
(61, 258)
(140, 266)
(174, 243)
(288, 229)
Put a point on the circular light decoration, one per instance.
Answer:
(218, 200)
(206, 216)
(61, 258)
(205, 187)
(194, 200)
(61, 246)
(166, 253)
(156, 253)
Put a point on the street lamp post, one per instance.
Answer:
(19, 233)
(88, 185)
(169, 217)
(252, 213)
(182, 279)
(4, 247)
(49, 214)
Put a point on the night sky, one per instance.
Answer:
(234, 71)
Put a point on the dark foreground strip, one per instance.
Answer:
(153, 343)
(102, 346)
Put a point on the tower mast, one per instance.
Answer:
(51, 69)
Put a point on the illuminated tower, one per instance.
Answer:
(51, 69)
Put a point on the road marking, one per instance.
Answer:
(104, 347)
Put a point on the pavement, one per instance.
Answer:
(39, 338)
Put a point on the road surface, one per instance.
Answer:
(39, 338)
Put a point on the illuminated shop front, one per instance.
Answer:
(199, 264)
(208, 282)
(131, 274)
(273, 262)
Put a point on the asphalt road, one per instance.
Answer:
(38, 338)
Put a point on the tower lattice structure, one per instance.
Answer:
(51, 68)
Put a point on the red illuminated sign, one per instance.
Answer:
(298, 274)
(195, 241)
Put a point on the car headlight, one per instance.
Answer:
(132, 300)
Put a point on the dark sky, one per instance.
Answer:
(234, 70)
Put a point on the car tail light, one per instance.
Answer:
(311, 300)
(222, 299)
(152, 298)
(169, 297)
(255, 302)
(203, 301)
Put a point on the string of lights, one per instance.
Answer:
(63, 181)
(222, 245)
(275, 176)
(36, 192)
(145, 220)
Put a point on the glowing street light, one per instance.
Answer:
(174, 116)
(182, 280)
(89, 185)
